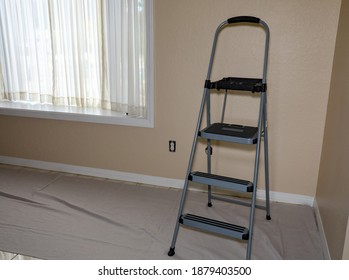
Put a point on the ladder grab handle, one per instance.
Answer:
(243, 19)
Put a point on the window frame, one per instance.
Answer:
(92, 115)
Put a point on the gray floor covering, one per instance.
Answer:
(52, 215)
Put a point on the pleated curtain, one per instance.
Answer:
(83, 53)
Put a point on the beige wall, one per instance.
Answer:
(301, 53)
(333, 191)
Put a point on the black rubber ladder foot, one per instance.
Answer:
(268, 217)
(209, 204)
(171, 252)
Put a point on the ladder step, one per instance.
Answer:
(231, 133)
(215, 226)
(243, 84)
(221, 181)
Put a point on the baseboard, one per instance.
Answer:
(94, 172)
(324, 244)
(140, 178)
(287, 197)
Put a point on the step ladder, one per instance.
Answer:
(231, 133)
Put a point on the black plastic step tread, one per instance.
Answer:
(215, 226)
(234, 83)
(221, 181)
(231, 133)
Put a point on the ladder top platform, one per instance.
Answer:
(233, 83)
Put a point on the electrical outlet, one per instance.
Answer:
(172, 146)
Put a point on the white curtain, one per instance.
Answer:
(26, 51)
(126, 34)
(85, 53)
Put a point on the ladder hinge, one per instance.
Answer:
(209, 150)
(264, 87)
(207, 83)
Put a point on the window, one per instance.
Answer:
(77, 59)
